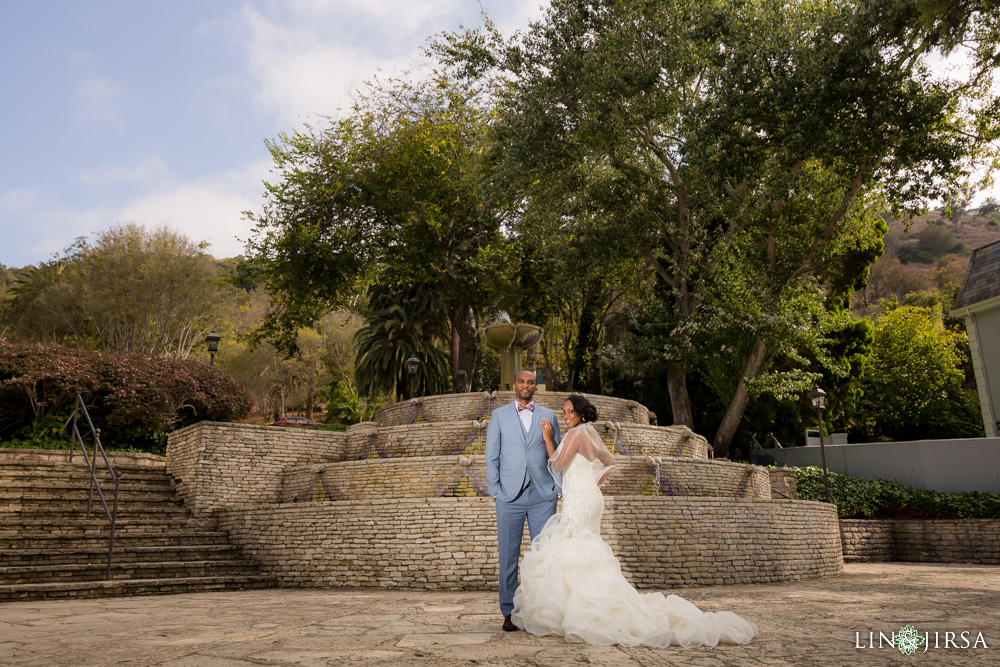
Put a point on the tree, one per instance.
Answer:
(913, 383)
(132, 290)
(729, 138)
(391, 195)
(397, 327)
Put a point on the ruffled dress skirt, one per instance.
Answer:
(572, 586)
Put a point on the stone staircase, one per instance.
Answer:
(49, 549)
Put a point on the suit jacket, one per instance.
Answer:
(513, 456)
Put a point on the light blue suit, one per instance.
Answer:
(518, 478)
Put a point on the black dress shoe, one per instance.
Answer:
(508, 625)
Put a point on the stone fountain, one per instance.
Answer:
(402, 502)
(511, 340)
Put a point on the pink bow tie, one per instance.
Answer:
(529, 406)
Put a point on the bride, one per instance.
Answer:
(571, 582)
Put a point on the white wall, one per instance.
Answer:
(971, 464)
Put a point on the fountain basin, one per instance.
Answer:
(465, 476)
(450, 543)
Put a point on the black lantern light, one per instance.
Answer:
(213, 345)
(818, 399)
(412, 364)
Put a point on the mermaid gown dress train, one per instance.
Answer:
(572, 584)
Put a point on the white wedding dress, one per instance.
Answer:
(572, 584)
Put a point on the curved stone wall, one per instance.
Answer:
(465, 476)
(368, 441)
(477, 405)
(450, 543)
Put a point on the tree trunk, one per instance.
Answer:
(455, 351)
(464, 353)
(734, 413)
(310, 393)
(680, 402)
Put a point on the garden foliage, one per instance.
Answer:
(134, 399)
(880, 499)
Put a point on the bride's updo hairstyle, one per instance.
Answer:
(583, 408)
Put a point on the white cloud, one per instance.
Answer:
(149, 170)
(19, 199)
(98, 100)
(209, 210)
(307, 57)
(98, 97)
(206, 210)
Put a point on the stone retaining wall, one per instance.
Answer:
(924, 541)
(228, 465)
(477, 405)
(368, 440)
(450, 543)
(782, 482)
(465, 476)
(59, 456)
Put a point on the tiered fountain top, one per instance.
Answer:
(479, 405)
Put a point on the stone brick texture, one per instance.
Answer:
(465, 476)
(782, 481)
(218, 465)
(924, 541)
(463, 407)
(400, 501)
(450, 543)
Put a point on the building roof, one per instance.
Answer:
(983, 282)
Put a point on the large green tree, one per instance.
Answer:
(734, 138)
(914, 384)
(129, 290)
(391, 194)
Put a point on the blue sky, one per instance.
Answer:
(157, 111)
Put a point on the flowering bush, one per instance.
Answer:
(134, 399)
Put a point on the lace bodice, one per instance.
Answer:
(583, 502)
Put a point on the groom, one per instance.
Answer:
(518, 479)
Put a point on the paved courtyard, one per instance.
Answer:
(801, 623)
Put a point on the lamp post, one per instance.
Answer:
(213, 346)
(412, 364)
(818, 399)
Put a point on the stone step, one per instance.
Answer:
(75, 469)
(52, 497)
(128, 552)
(14, 485)
(100, 540)
(11, 523)
(77, 510)
(28, 574)
(126, 587)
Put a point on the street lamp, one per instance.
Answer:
(213, 346)
(818, 399)
(412, 364)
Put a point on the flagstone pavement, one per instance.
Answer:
(816, 622)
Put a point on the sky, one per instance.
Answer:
(156, 112)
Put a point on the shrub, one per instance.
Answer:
(880, 499)
(134, 399)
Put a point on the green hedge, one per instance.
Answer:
(134, 399)
(880, 499)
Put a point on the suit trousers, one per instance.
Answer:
(530, 506)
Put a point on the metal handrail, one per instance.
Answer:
(112, 513)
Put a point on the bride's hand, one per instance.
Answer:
(546, 427)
